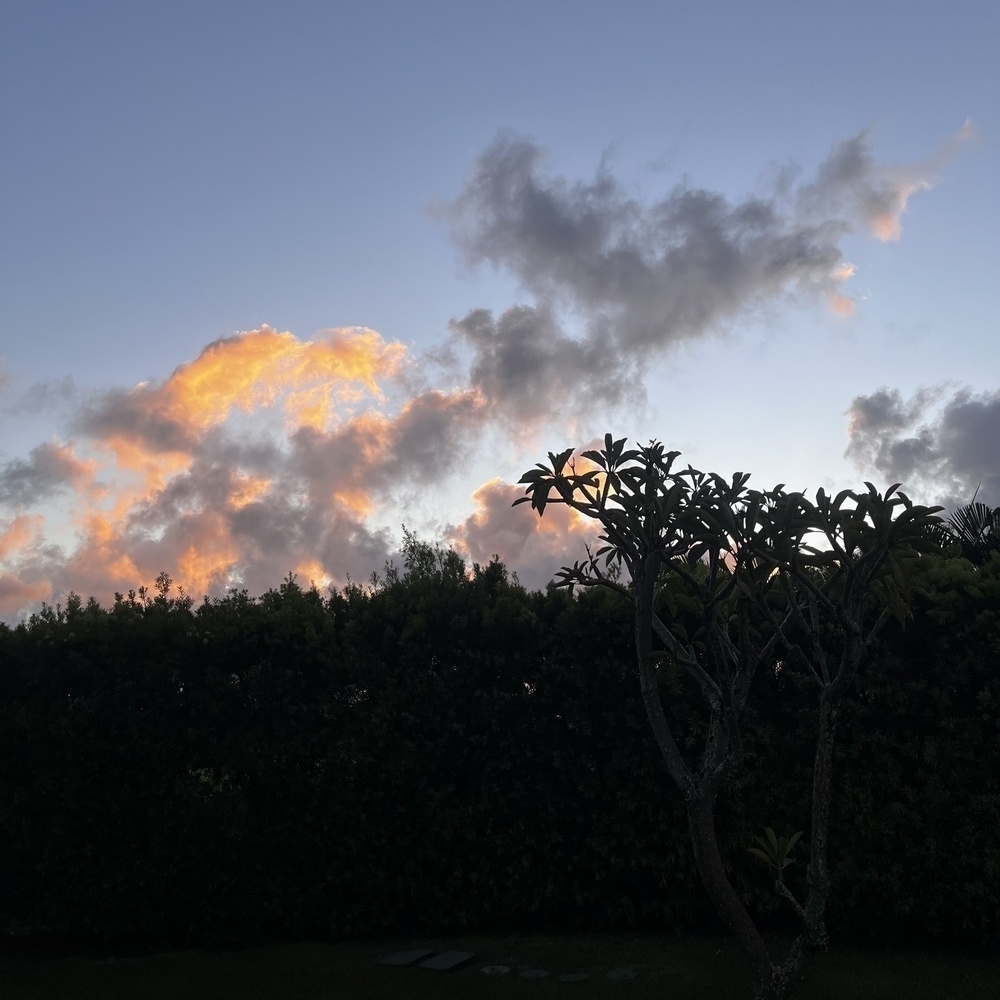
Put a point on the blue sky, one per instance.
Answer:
(176, 174)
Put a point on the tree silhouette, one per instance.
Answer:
(976, 527)
(725, 578)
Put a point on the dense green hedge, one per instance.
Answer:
(446, 750)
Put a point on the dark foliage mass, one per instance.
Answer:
(444, 750)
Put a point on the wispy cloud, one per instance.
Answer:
(850, 181)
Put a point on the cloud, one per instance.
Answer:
(527, 368)
(195, 484)
(49, 469)
(535, 547)
(268, 453)
(18, 533)
(649, 275)
(646, 276)
(851, 181)
(311, 381)
(944, 446)
(56, 395)
(15, 593)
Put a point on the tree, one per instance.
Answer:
(976, 528)
(728, 579)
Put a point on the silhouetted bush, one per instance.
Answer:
(446, 750)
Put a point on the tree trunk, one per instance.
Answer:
(818, 877)
(725, 899)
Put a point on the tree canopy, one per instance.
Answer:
(760, 573)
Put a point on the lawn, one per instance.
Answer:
(697, 968)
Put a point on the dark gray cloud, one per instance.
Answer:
(137, 416)
(426, 440)
(643, 276)
(527, 367)
(657, 272)
(202, 486)
(48, 469)
(431, 436)
(244, 451)
(946, 450)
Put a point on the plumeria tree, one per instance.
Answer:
(723, 580)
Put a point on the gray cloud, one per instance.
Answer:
(137, 416)
(48, 469)
(55, 396)
(645, 276)
(431, 436)
(527, 367)
(851, 182)
(658, 272)
(945, 451)
(534, 547)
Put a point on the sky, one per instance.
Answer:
(279, 279)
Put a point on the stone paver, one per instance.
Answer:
(405, 957)
(447, 960)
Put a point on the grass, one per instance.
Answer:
(696, 968)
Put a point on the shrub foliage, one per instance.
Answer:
(443, 750)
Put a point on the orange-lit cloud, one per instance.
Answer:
(16, 535)
(209, 556)
(842, 305)
(535, 547)
(246, 489)
(312, 573)
(852, 187)
(167, 482)
(887, 205)
(16, 594)
(884, 219)
(843, 271)
(264, 368)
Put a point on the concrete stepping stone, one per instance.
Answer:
(405, 957)
(533, 974)
(624, 972)
(496, 970)
(574, 977)
(447, 960)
